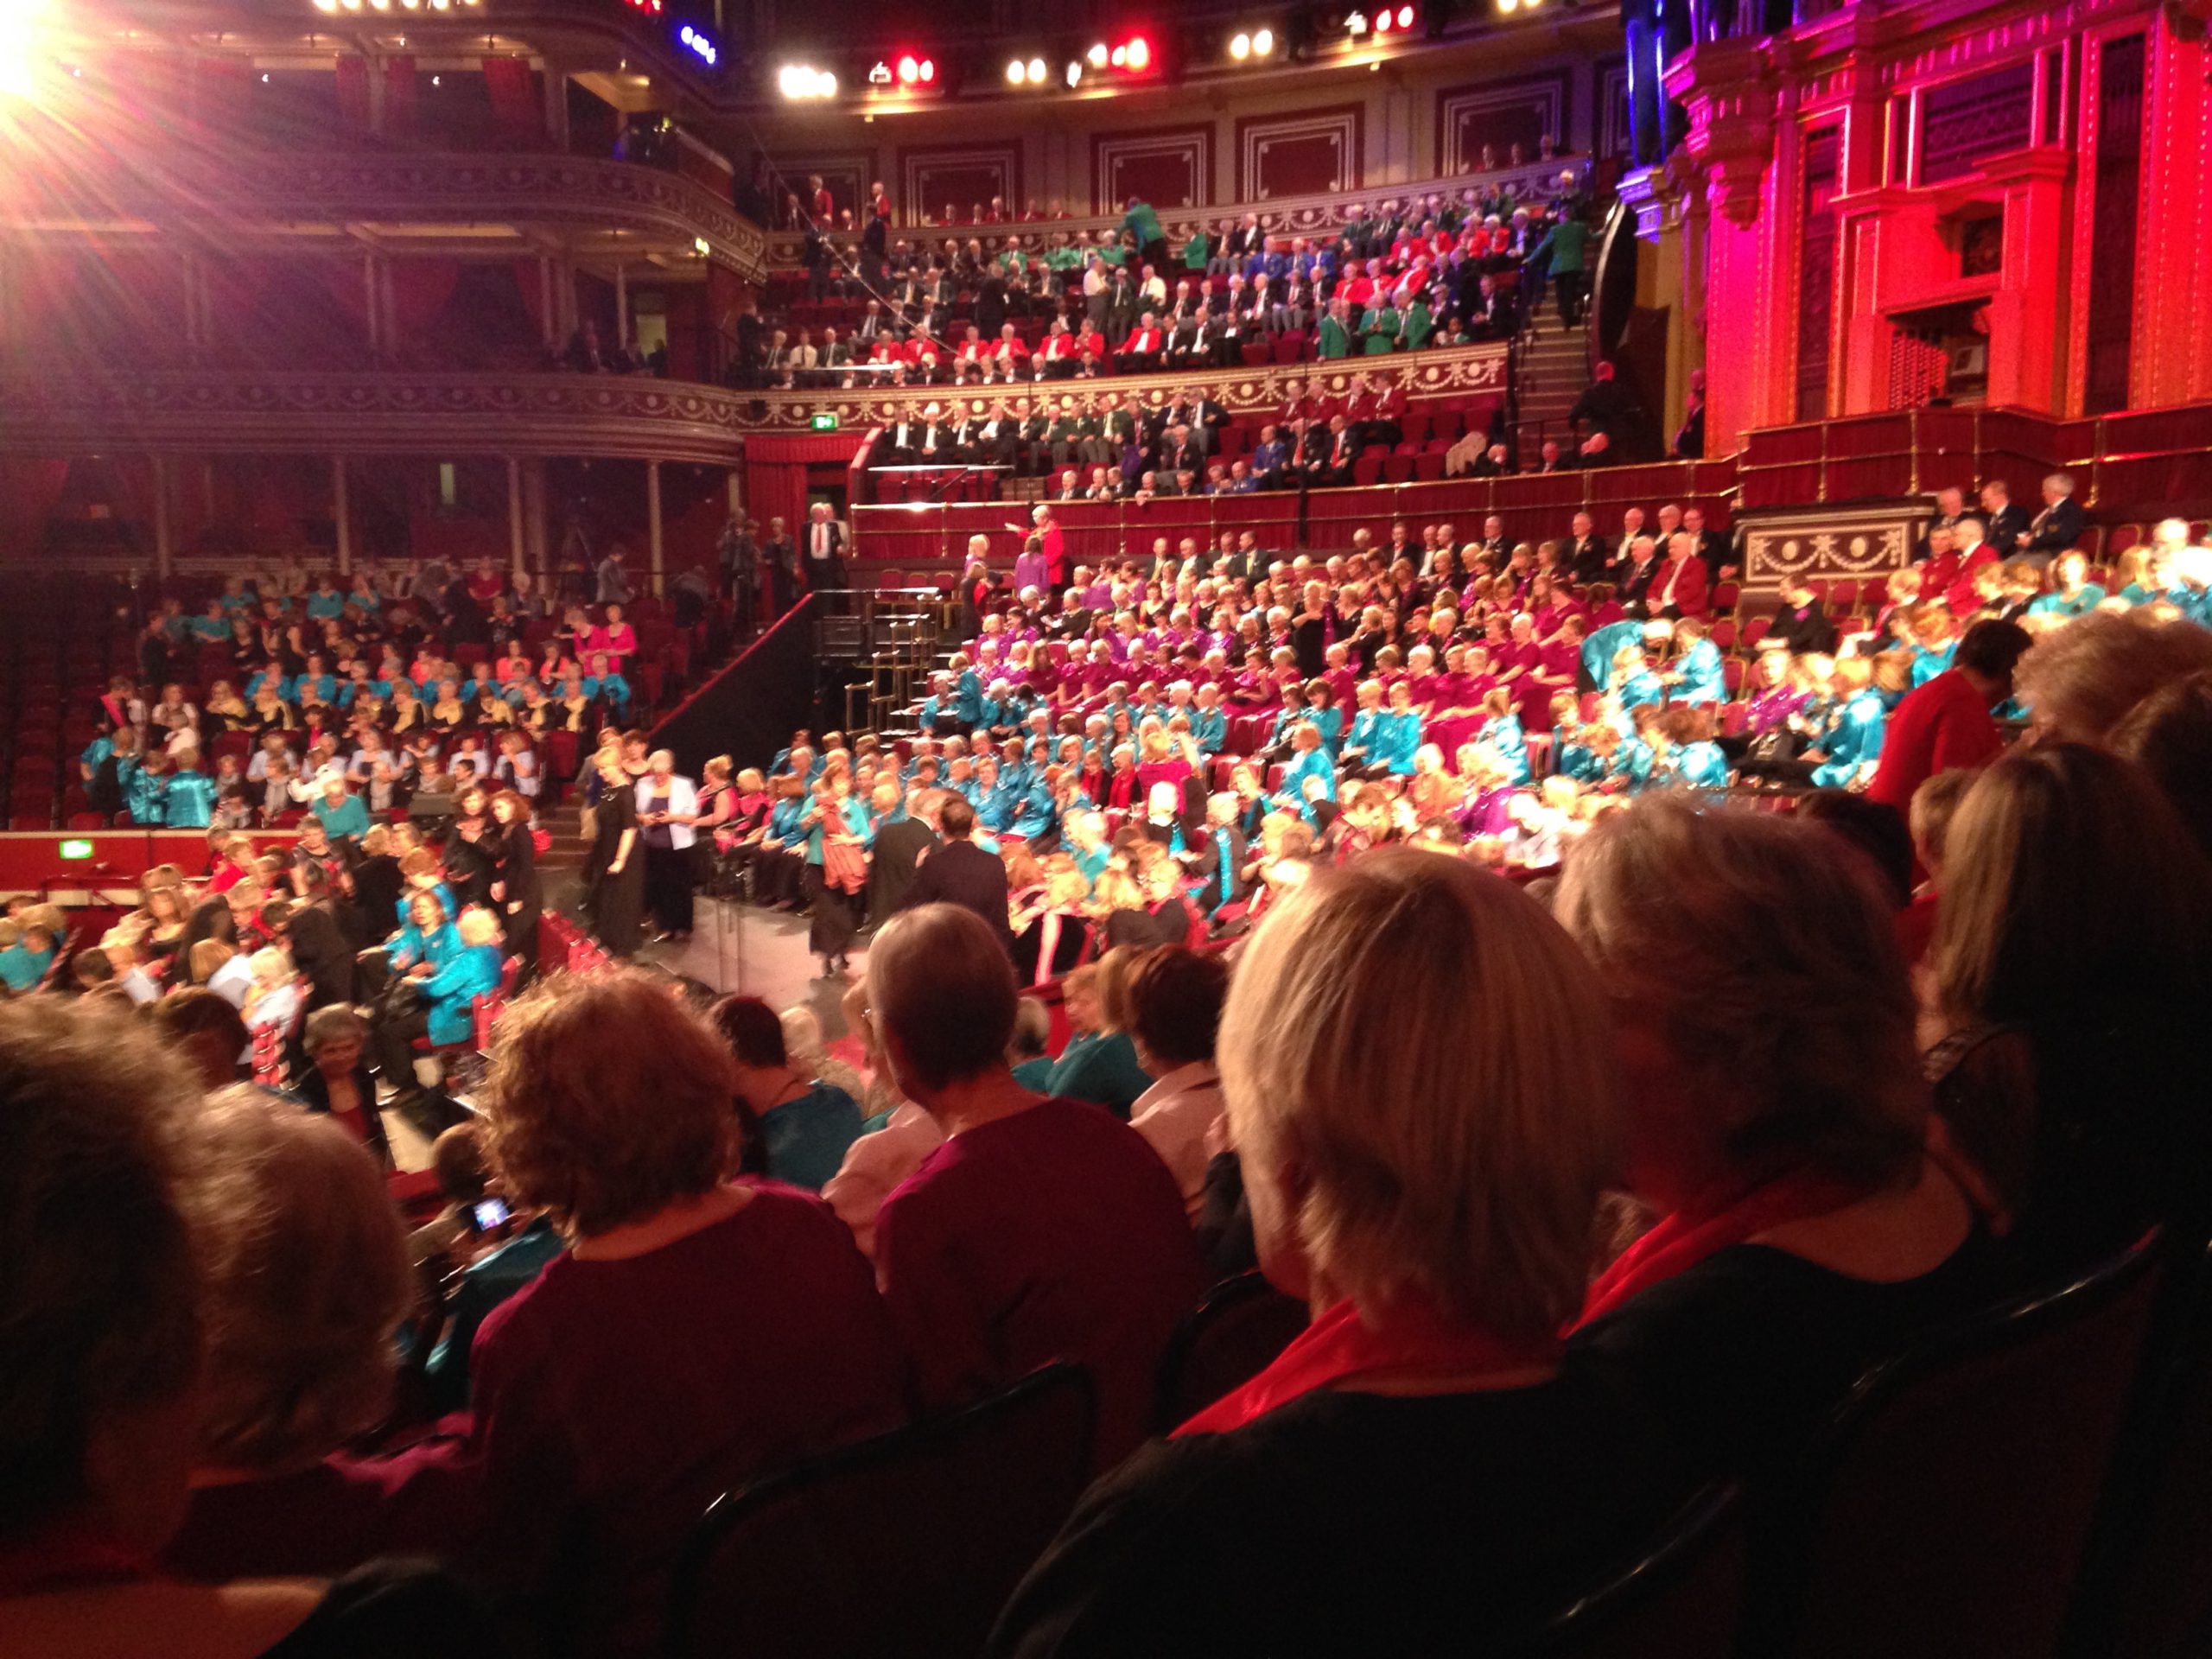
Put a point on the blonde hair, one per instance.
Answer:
(1112, 984)
(1767, 953)
(1426, 1045)
(205, 957)
(479, 926)
(307, 1281)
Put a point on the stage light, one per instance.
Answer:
(1121, 59)
(1097, 54)
(1241, 48)
(700, 47)
(929, 70)
(1405, 16)
(326, 6)
(1140, 54)
(1016, 71)
(880, 75)
(1075, 72)
(1036, 71)
(1263, 43)
(804, 81)
(909, 71)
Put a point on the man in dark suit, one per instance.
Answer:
(2058, 526)
(1587, 555)
(2006, 523)
(961, 872)
(900, 846)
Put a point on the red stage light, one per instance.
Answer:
(1382, 21)
(1139, 54)
(909, 71)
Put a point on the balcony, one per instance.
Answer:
(455, 415)
(473, 205)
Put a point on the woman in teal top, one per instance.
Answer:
(188, 802)
(343, 815)
(1308, 759)
(1699, 675)
(1502, 732)
(143, 785)
(1854, 742)
(474, 971)
(1099, 1065)
(2075, 594)
(1399, 742)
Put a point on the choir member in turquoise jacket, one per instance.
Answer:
(1854, 742)
(968, 697)
(188, 801)
(1307, 759)
(1208, 723)
(1501, 730)
(1364, 740)
(1401, 737)
(1693, 759)
(141, 780)
(1698, 675)
(472, 971)
(1600, 648)
(2075, 596)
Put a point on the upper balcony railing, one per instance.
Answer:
(1327, 214)
(216, 412)
(291, 188)
(630, 416)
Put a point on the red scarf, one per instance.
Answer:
(1718, 1220)
(1413, 1336)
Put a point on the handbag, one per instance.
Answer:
(844, 866)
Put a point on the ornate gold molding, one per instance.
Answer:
(1466, 369)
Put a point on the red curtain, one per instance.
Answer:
(420, 289)
(399, 94)
(527, 279)
(353, 95)
(775, 473)
(30, 488)
(514, 93)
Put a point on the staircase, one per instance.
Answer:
(565, 823)
(1552, 370)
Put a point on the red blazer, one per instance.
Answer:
(1960, 595)
(1688, 578)
(1142, 340)
(1939, 727)
(1058, 346)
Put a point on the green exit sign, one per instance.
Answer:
(76, 850)
(823, 422)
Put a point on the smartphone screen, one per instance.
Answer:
(490, 1213)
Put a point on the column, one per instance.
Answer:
(370, 286)
(736, 494)
(341, 509)
(376, 97)
(514, 514)
(652, 522)
(557, 106)
(164, 531)
(545, 307)
(621, 303)
(533, 492)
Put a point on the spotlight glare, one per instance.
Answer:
(1075, 72)
(1097, 54)
(1263, 42)
(1139, 53)
(929, 70)
(1036, 71)
(1356, 24)
(326, 6)
(909, 71)
(1121, 57)
(1015, 71)
(1382, 22)
(1241, 48)
(1405, 16)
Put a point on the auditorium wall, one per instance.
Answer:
(1315, 130)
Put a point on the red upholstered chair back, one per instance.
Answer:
(1966, 1477)
(907, 1544)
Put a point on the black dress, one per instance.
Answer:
(524, 901)
(617, 901)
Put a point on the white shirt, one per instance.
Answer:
(683, 797)
(874, 1166)
(1174, 1117)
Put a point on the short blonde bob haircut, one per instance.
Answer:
(1424, 1042)
(608, 1100)
(1764, 949)
(307, 1281)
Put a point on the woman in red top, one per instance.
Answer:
(697, 1332)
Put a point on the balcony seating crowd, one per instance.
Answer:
(1402, 276)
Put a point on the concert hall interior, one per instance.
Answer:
(1267, 826)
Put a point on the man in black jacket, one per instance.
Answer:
(1587, 557)
(2007, 523)
(900, 845)
(2057, 527)
(961, 872)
